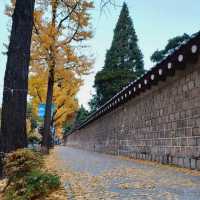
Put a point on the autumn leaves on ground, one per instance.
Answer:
(58, 59)
(107, 177)
(89, 175)
(73, 174)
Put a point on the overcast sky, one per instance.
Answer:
(155, 22)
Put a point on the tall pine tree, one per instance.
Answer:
(123, 63)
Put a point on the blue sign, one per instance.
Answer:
(41, 110)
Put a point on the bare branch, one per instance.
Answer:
(36, 29)
(65, 18)
(105, 5)
(44, 58)
(75, 32)
(40, 98)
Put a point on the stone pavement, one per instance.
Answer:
(94, 176)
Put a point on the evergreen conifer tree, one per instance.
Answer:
(123, 63)
(172, 43)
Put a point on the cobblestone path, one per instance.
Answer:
(94, 176)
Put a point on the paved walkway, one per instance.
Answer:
(95, 176)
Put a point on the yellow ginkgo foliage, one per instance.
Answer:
(60, 29)
(64, 98)
(59, 55)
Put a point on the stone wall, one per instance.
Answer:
(161, 124)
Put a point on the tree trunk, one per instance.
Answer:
(13, 123)
(47, 121)
(46, 139)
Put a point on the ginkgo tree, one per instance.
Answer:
(60, 27)
(64, 97)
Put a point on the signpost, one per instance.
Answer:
(41, 110)
(41, 114)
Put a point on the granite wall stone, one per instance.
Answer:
(161, 124)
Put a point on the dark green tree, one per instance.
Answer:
(93, 103)
(158, 55)
(123, 63)
(81, 115)
(67, 127)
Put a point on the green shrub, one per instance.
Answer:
(22, 161)
(34, 137)
(26, 180)
(34, 184)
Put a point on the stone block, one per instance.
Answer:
(187, 162)
(157, 158)
(198, 141)
(153, 157)
(134, 155)
(198, 165)
(181, 162)
(193, 164)
(183, 142)
(170, 159)
(174, 161)
(191, 141)
(191, 85)
(196, 131)
(164, 160)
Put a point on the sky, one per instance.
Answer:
(155, 22)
